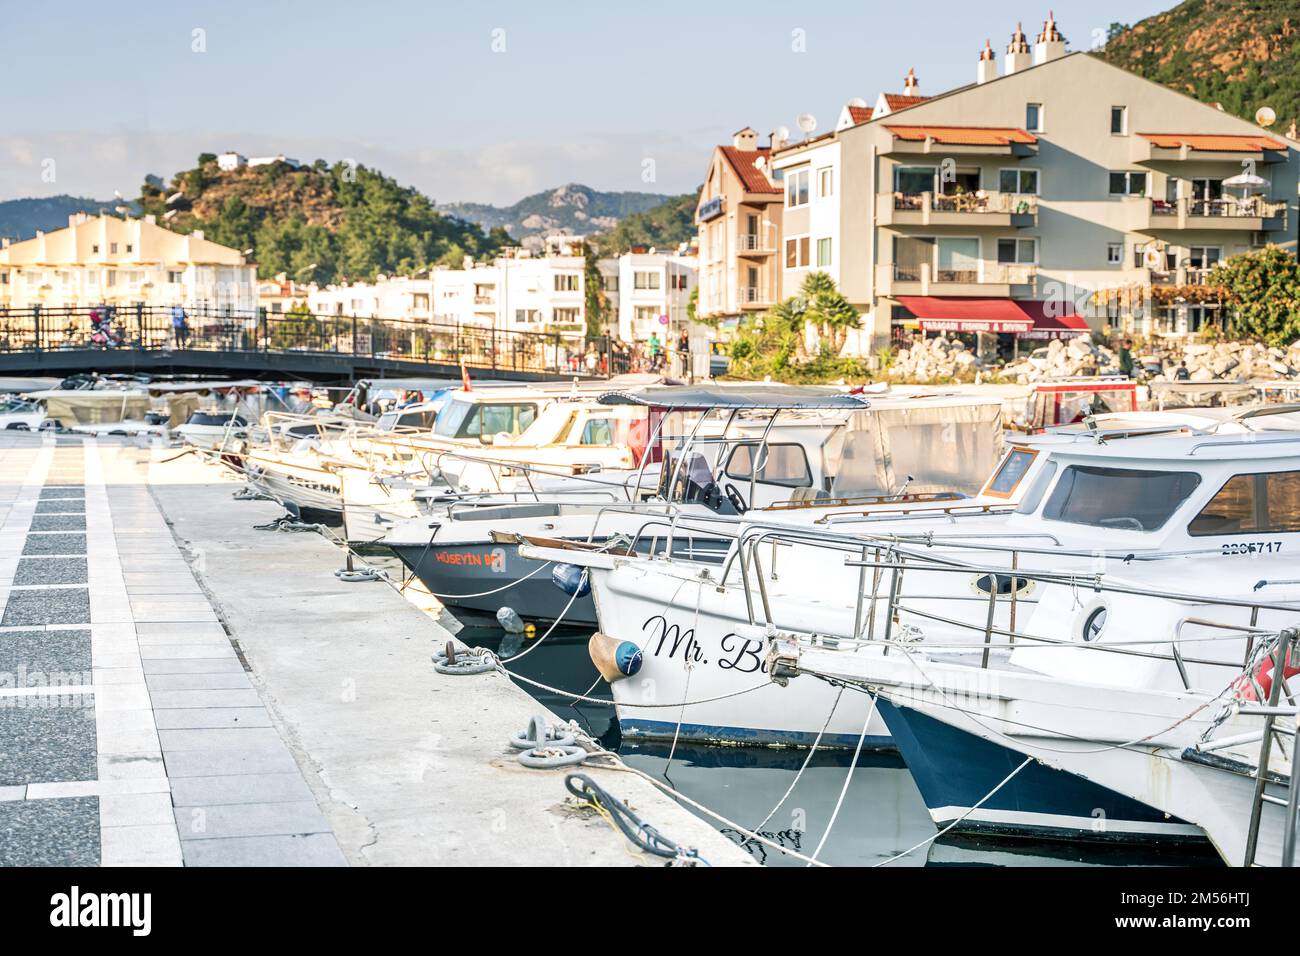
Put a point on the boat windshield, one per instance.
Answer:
(460, 419)
(1126, 498)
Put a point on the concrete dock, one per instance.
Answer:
(177, 687)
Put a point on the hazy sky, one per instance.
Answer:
(482, 101)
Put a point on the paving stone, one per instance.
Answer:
(59, 523)
(161, 683)
(239, 789)
(200, 699)
(41, 742)
(50, 832)
(314, 849)
(204, 665)
(60, 506)
(55, 544)
(223, 763)
(249, 819)
(62, 492)
(218, 738)
(45, 657)
(202, 718)
(47, 606)
(51, 571)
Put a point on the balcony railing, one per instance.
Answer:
(752, 295)
(1251, 207)
(1186, 275)
(746, 242)
(980, 201)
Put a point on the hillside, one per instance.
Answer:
(22, 218)
(665, 226)
(1243, 54)
(569, 210)
(318, 223)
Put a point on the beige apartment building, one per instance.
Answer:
(739, 223)
(1059, 194)
(108, 260)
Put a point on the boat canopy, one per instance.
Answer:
(767, 397)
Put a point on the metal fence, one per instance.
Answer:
(151, 328)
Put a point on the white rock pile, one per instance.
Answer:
(941, 359)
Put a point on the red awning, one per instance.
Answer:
(1028, 318)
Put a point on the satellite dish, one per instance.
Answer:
(858, 103)
(807, 122)
(1264, 116)
(783, 133)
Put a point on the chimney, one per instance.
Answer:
(746, 139)
(988, 65)
(1018, 55)
(1050, 45)
(910, 85)
(77, 218)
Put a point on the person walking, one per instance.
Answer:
(1126, 358)
(655, 347)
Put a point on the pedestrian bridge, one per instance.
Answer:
(328, 349)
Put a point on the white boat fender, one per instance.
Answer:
(510, 620)
(571, 579)
(613, 658)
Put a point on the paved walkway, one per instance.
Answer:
(129, 732)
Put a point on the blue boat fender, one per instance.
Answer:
(614, 659)
(571, 579)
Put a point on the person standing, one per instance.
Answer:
(180, 327)
(1126, 358)
(684, 353)
(655, 347)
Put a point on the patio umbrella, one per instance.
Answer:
(1246, 181)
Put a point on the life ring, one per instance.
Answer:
(1262, 678)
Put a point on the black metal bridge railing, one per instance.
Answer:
(152, 329)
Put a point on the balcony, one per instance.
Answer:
(990, 279)
(752, 297)
(1183, 275)
(754, 245)
(979, 209)
(1252, 214)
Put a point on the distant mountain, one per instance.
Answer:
(22, 218)
(568, 210)
(1243, 54)
(662, 227)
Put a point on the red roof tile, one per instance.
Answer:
(859, 114)
(901, 101)
(963, 135)
(1216, 142)
(751, 177)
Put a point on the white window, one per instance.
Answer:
(567, 316)
(645, 280)
(527, 315)
(1022, 182)
(796, 189)
(825, 182)
(1119, 120)
(1114, 253)
(174, 276)
(796, 252)
(824, 252)
(1034, 117)
(1017, 251)
(1128, 183)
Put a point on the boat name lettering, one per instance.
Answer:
(745, 658)
(683, 640)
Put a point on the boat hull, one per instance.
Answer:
(955, 770)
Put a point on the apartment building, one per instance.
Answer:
(109, 260)
(739, 230)
(1056, 195)
(516, 291)
(654, 291)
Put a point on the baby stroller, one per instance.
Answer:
(102, 333)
